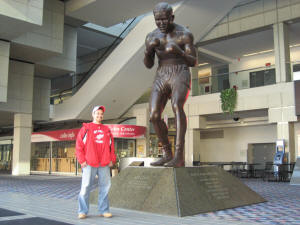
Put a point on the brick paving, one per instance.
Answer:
(54, 197)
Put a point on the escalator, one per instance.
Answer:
(122, 78)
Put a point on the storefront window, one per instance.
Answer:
(63, 157)
(40, 156)
(125, 147)
(156, 146)
(59, 156)
(5, 157)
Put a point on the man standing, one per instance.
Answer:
(95, 153)
(174, 48)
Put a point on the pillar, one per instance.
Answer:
(142, 144)
(285, 131)
(192, 136)
(192, 145)
(4, 65)
(22, 144)
(282, 52)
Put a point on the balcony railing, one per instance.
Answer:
(243, 79)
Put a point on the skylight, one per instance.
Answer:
(117, 29)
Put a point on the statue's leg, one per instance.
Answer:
(157, 104)
(180, 92)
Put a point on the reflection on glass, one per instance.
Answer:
(63, 157)
(40, 153)
(221, 79)
(155, 147)
(124, 148)
(5, 157)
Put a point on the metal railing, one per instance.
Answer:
(67, 93)
(242, 79)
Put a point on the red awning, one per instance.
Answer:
(118, 131)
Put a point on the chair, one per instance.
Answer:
(283, 174)
(268, 171)
(238, 169)
(291, 169)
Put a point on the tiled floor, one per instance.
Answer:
(54, 197)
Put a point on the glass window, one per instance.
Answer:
(5, 157)
(40, 154)
(262, 78)
(63, 157)
(155, 147)
(125, 147)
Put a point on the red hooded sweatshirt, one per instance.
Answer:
(95, 145)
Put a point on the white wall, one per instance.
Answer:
(20, 88)
(29, 10)
(4, 64)
(234, 145)
(19, 16)
(48, 37)
(41, 99)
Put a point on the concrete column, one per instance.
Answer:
(285, 130)
(282, 52)
(4, 65)
(22, 144)
(142, 119)
(192, 136)
(192, 143)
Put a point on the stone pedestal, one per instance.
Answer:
(181, 191)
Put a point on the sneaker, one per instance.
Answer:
(106, 215)
(81, 216)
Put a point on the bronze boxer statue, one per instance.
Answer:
(174, 48)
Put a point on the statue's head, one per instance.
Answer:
(164, 17)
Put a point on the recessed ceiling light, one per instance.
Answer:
(203, 64)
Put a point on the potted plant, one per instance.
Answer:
(228, 100)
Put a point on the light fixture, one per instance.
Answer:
(270, 50)
(203, 64)
(256, 53)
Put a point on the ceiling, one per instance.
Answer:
(108, 13)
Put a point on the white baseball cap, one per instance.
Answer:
(98, 107)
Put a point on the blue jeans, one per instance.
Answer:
(88, 176)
